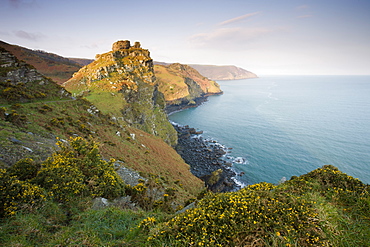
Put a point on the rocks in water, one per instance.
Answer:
(205, 159)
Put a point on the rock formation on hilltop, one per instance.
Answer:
(122, 83)
(183, 86)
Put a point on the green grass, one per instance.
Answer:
(108, 102)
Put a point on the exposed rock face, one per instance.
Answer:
(20, 82)
(18, 72)
(183, 86)
(205, 160)
(122, 44)
(125, 78)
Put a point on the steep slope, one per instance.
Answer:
(58, 68)
(183, 86)
(29, 129)
(20, 82)
(226, 72)
(122, 83)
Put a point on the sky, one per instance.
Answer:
(267, 37)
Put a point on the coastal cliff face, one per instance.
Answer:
(183, 86)
(36, 112)
(227, 72)
(122, 83)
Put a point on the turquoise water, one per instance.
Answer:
(289, 125)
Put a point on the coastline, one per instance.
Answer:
(205, 158)
(172, 108)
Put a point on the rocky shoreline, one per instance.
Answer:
(171, 108)
(205, 159)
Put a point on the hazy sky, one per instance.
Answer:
(263, 36)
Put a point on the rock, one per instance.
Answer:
(15, 141)
(99, 202)
(28, 149)
(122, 44)
(205, 158)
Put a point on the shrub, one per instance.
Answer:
(16, 194)
(24, 169)
(253, 216)
(78, 169)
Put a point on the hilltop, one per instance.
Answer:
(56, 67)
(122, 83)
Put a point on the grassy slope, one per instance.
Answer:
(41, 120)
(171, 84)
(59, 69)
(322, 208)
(171, 80)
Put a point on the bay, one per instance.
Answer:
(283, 126)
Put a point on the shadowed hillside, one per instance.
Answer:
(58, 68)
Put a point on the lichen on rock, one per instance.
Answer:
(127, 73)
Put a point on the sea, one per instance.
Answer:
(276, 127)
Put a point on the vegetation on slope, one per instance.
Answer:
(322, 208)
(58, 68)
(183, 85)
(125, 77)
(29, 130)
(50, 201)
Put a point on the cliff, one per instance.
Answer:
(49, 202)
(122, 83)
(226, 72)
(36, 113)
(183, 86)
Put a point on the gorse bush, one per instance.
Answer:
(24, 169)
(321, 208)
(152, 194)
(16, 194)
(253, 216)
(78, 169)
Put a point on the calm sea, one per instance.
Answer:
(286, 126)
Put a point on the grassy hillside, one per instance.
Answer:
(58, 68)
(60, 155)
(322, 208)
(122, 83)
(182, 85)
(29, 128)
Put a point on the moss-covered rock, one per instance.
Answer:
(126, 76)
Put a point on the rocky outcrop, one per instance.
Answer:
(227, 72)
(183, 86)
(15, 71)
(125, 77)
(205, 159)
(58, 68)
(21, 82)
